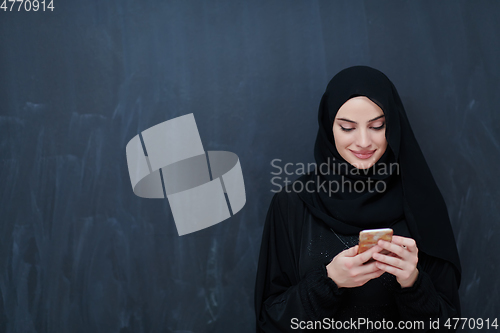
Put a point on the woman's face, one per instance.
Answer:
(359, 132)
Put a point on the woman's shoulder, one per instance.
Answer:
(287, 213)
(287, 199)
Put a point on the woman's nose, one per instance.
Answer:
(363, 139)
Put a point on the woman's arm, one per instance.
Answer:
(313, 298)
(428, 288)
(434, 296)
(282, 298)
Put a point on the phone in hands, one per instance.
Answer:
(369, 238)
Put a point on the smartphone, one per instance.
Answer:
(369, 238)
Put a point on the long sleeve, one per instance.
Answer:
(280, 294)
(434, 296)
(292, 281)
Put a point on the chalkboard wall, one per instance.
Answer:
(79, 252)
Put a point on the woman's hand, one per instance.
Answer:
(347, 268)
(402, 262)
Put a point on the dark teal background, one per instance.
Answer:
(79, 252)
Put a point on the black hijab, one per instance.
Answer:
(405, 186)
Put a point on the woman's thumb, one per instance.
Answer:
(352, 251)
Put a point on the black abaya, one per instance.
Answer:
(304, 230)
(292, 281)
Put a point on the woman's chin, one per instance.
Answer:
(363, 165)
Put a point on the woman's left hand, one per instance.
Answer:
(402, 262)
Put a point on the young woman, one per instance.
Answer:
(370, 174)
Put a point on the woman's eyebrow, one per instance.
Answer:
(351, 121)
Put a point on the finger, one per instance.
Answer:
(409, 243)
(371, 276)
(353, 251)
(391, 254)
(396, 249)
(366, 269)
(389, 269)
(389, 260)
(350, 252)
(365, 256)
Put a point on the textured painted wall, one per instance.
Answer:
(79, 252)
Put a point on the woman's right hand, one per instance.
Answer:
(347, 268)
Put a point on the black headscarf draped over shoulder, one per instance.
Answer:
(406, 186)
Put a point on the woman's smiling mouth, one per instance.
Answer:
(363, 154)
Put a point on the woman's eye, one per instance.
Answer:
(379, 128)
(346, 129)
